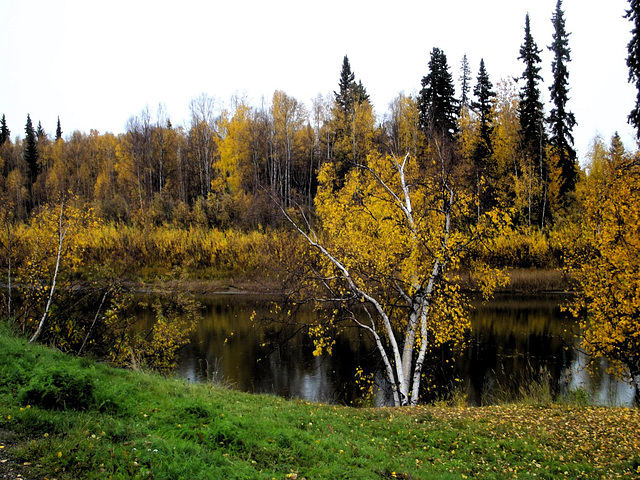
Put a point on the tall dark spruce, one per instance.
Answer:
(561, 121)
(5, 133)
(437, 104)
(633, 61)
(349, 92)
(531, 110)
(58, 131)
(349, 97)
(483, 106)
(483, 150)
(30, 152)
(465, 82)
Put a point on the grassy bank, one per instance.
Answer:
(64, 418)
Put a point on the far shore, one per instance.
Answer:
(521, 281)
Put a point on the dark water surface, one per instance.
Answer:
(515, 340)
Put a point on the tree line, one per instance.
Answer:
(223, 166)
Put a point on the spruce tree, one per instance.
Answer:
(561, 121)
(58, 131)
(633, 61)
(30, 152)
(483, 150)
(349, 92)
(437, 105)
(351, 100)
(465, 82)
(531, 108)
(483, 106)
(532, 132)
(40, 133)
(347, 79)
(5, 133)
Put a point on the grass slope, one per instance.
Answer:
(64, 418)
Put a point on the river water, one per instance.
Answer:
(516, 341)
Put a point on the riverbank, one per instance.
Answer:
(532, 280)
(63, 417)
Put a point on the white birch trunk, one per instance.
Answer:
(61, 234)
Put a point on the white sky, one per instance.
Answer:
(95, 64)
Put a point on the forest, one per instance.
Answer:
(227, 195)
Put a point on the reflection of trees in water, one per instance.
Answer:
(515, 339)
(595, 383)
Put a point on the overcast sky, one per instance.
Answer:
(95, 64)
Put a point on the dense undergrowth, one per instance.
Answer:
(65, 417)
(150, 252)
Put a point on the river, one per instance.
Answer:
(517, 341)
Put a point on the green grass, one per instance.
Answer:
(131, 425)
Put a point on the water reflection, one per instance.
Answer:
(515, 339)
(602, 388)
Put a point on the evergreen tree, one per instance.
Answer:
(30, 152)
(531, 108)
(349, 92)
(352, 121)
(437, 104)
(561, 120)
(483, 106)
(58, 131)
(483, 150)
(633, 60)
(465, 82)
(5, 133)
(345, 85)
(40, 133)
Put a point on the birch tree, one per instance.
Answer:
(384, 251)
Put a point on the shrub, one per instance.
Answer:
(59, 389)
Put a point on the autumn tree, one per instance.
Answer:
(59, 176)
(384, 251)
(437, 104)
(561, 120)
(633, 60)
(138, 169)
(512, 181)
(402, 127)
(58, 236)
(106, 196)
(202, 141)
(289, 118)
(234, 167)
(7, 247)
(607, 262)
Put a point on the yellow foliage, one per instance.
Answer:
(321, 341)
(386, 239)
(608, 264)
(157, 348)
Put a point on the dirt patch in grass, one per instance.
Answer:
(9, 467)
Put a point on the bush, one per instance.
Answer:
(59, 389)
